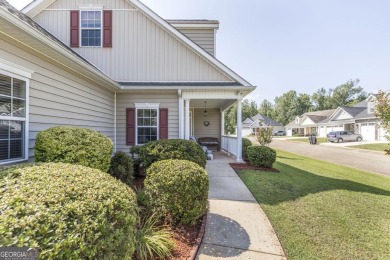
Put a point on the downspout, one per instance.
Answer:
(115, 122)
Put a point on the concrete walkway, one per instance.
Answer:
(236, 227)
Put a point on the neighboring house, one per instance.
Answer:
(360, 118)
(253, 124)
(115, 67)
(306, 124)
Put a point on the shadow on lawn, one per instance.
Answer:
(293, 183)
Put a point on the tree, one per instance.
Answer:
(347, 94)
(382, 110)
(286, 107)
(267, 108)
(303, 104)
(264, 136)
(321, 99)
(249, 109)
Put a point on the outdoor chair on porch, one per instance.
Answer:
(209, 141)
(209, 153)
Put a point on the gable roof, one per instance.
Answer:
(254, 121)
(267, 121)
(22, 21)
(38, 6)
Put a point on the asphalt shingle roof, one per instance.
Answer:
(267, 121)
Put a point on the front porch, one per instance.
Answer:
(202, 114)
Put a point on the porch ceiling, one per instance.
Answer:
(211, 103)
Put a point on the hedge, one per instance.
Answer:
(261, 156)
(172, 149)
(245, 144)
(74, 145)
(177, 188)
(122, 167)
(68, 211)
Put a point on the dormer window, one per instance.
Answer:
(371, 107)
(91, 28)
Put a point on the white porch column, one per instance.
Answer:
(187, 120)
(181, 118)
(239, 131)
(222, 123)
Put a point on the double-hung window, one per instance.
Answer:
(12, 118)
(91, 28)
(147, 123)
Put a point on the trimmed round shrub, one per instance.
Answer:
(74, 145)
(261, 156)
(177, 188)
(245, 144)
(172, 149)
(68, 211)
(122, 167)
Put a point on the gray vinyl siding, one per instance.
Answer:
(205, 38)
(141, 51)
(166, 99)
(214, 129)
(60, 98)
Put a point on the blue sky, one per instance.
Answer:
(280, 45)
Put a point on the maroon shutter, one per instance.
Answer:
(74, 29)
(130, 126)
(163, 123)
(107, 28)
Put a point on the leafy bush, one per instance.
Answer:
(245, 144)
(74, 145)
(142, 198)
(135, 150)
(121, 167)
(68, 211)
(264, 136)
(177, 188)
(172, 149)
(153, 241)
(261, 156)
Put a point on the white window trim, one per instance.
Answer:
(371, 105)
(146, 106)
(101, 28)
(4, 69)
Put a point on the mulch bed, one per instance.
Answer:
(247, 166)
(186, 240)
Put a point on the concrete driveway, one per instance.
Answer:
(356, 158)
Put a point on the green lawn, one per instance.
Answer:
(321, 210)
(306, 140)
(374, 147)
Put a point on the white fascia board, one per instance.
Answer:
(57, 47)
(335, 113)
(246, 90)
(370, 97)
(37, 6)
(195, 26)
(211, 59)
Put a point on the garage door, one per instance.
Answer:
(323, 131)
(368, 131)
(338, 128)
(382, 134)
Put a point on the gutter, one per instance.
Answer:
(163, 88)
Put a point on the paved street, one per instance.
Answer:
(357, 158)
